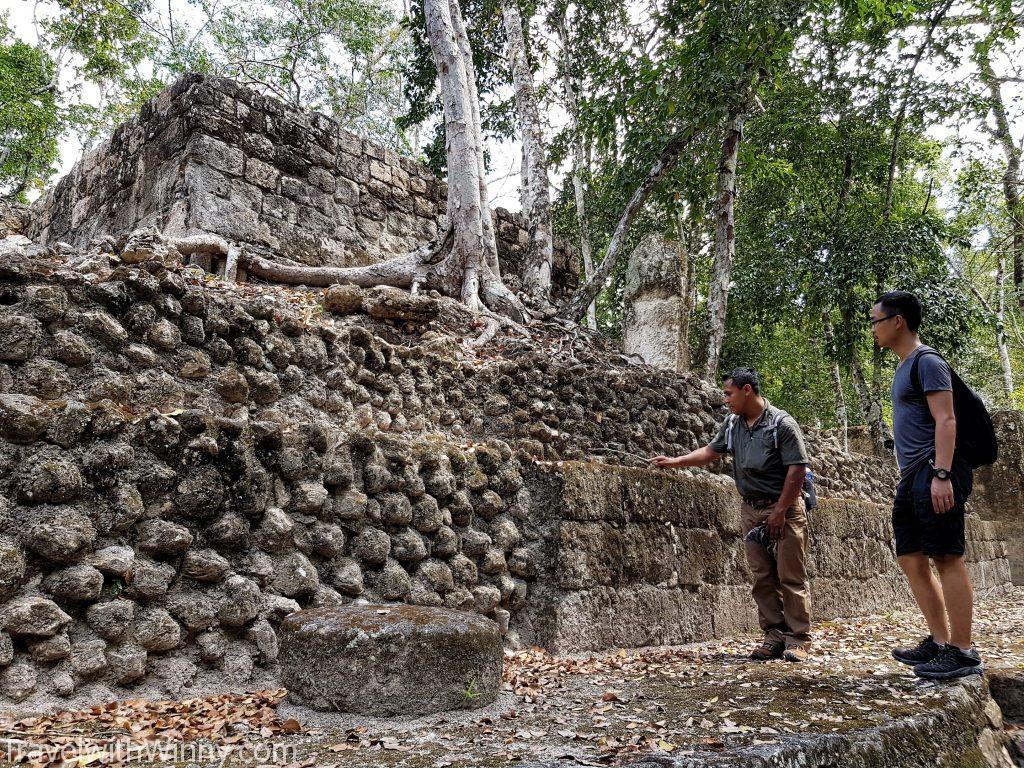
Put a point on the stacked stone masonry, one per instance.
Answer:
(184, 463)
(634, 558)
(999, 493)
(208, 155)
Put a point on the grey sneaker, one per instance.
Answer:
(950, 663)
(922, 653)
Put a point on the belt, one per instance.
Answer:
(759, 502)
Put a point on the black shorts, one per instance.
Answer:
(914, 521)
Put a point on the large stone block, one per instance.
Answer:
(657, 311)
(390, 660)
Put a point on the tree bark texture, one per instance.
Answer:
(580, 164)
(725, 240)
(539, 250)
(1004, 351)
(842, 413)
(688, 244)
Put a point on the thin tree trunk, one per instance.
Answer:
(1012, 178)
(576, 307)
(581, 222)
(999, 315)
(842, 414)
(1004, 352)
(539, 250)
(581, 163)
(684, 246)
(860, 387)
(871, 407)
(901, 114)
(725, 240)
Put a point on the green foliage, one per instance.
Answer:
(108, 35)
(80, 43)
(30, 117)
(336, 56)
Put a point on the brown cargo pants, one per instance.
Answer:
(780, 586)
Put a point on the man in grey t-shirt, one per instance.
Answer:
(928, 509)
(769, 465)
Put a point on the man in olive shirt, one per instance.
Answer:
(769, 464)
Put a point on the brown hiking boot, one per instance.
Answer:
(768, 649)
(795, 652)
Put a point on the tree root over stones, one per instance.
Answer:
(431, 267)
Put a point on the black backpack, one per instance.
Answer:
(975, 436)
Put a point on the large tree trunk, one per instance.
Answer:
(463, 144)
(1012, 178)
(725, 240)
(580, 162)
(584, 296)
(536, 197)
(463, 262)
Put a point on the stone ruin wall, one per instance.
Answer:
(634, 558)
(185, 463)
(999, 491)
(208, 155)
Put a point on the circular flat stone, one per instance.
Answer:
(390, 659)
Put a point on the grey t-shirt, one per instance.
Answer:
(912, 423)
(759, 467)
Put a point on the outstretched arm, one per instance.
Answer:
(698, 458)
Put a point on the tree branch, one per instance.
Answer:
(576, 307)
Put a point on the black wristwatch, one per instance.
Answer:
(942, 474)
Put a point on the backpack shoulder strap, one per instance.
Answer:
(915, 374)
(731, 422)
(776, 423)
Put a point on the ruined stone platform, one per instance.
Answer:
(706, 704)
(184, 462)
(674, 707)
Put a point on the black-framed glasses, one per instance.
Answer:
(883, 319)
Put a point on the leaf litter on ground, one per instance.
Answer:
(596, 709)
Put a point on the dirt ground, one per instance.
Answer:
(600, 709)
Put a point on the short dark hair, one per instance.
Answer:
(902, 303)
(740, 377)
